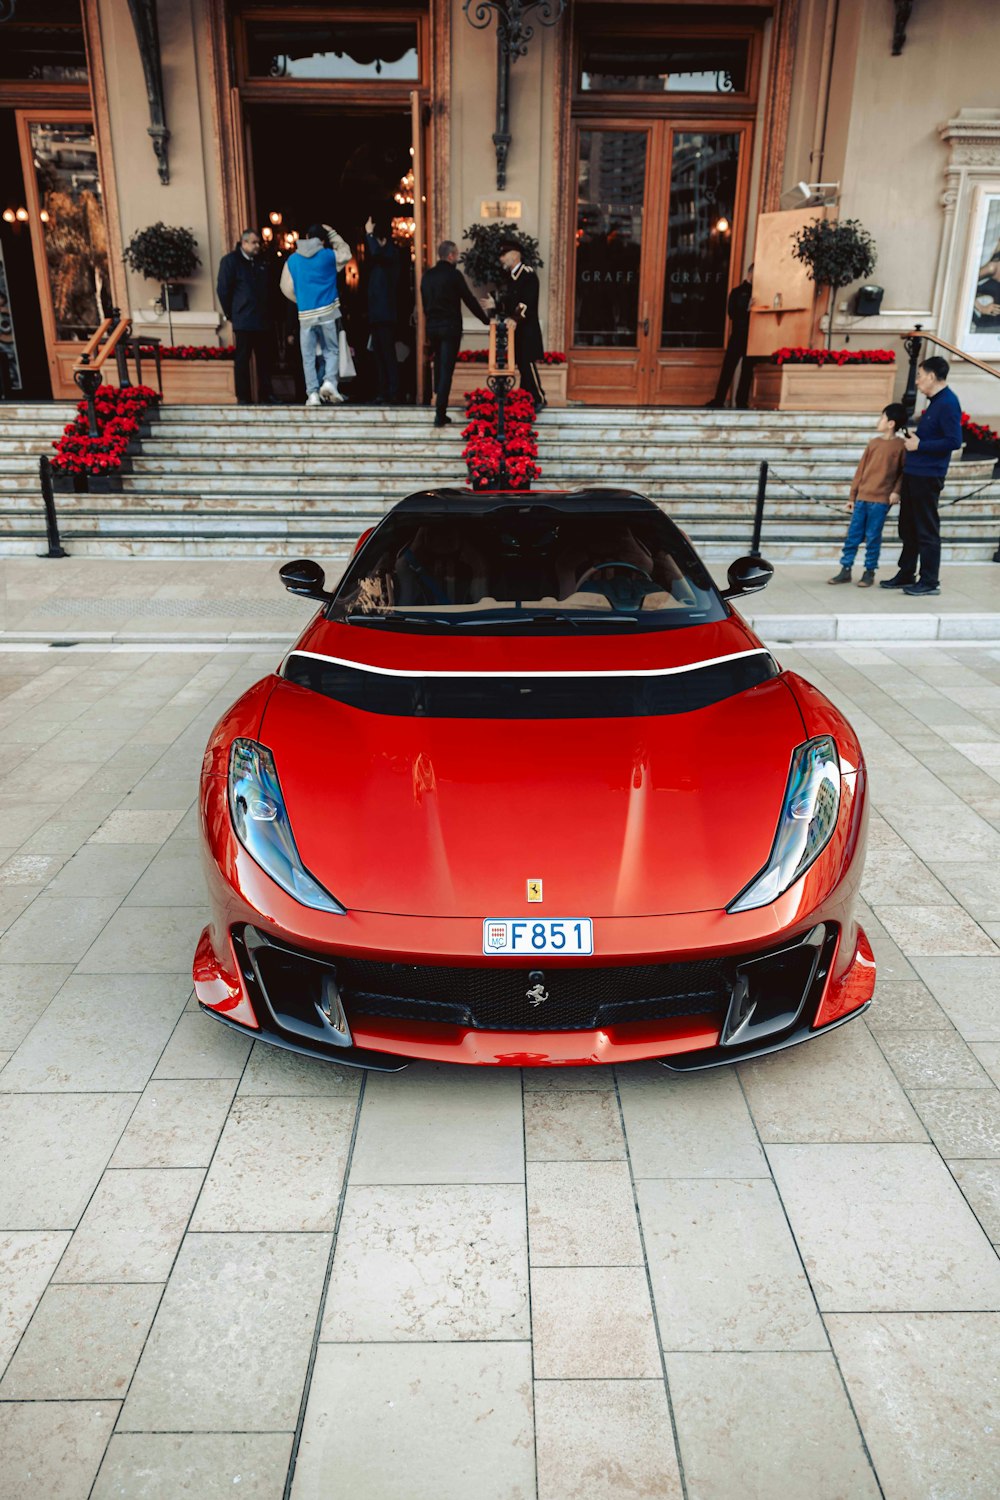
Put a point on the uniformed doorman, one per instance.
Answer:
(518, 299)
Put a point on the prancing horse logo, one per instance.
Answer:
(538, 994)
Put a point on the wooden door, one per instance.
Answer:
(69, 238)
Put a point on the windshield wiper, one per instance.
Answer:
(558, 617)
(399, 615)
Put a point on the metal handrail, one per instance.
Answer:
(932, 338)
(122, 327)
(912, 343)
(95, 339)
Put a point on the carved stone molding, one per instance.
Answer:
(972, 138)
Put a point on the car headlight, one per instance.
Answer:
(257, 809)
(808, 818)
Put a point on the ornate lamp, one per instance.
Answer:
(513, 35)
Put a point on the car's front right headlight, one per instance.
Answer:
(805, 826)
(261, 822)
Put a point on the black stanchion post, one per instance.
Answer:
(56, 548)
(501, 386)
(758, 519)
(913, 347)
(89, 382)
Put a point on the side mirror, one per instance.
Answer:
(747, 575)
(305, 577)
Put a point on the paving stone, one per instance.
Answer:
(472, 1131)
(236, 1306)
(980, 1182)
(904, 1005)
(593, 1323)
(279, 1165)
(976, 887)
(176, 1124)
(725, 1270)
(605, 1440)
(272, 1070)
(767, 1418)
(838, 1088)
(103, 870)
(132, 1228)
(939, 930)
(162, 1466)
(172, 878)
(581, 1214)
(987, 1054)
(53, 1449)
(884, 1228)
(928, 1059)
(567, 1080)
(138, 827)
(101, 1033)
(460, 1412)
(82, 1344)
(429, 1264)
(26, 1264)
(61, 1144)
(924, 1386)
(60, 927)
(25, 991)
(896, 877)
(582, 1126)
(200, 1048)
(694, 1125)
(145, 940)
(968, 990)
(961, 1122)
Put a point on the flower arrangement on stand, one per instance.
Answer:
(481, 357)
(82, 460)
(978, 439)
(190, 351)
(822, 357)
(484, 456)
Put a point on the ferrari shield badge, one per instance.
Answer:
(534, 890)
(496, 935)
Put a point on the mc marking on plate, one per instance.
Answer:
(534, 890)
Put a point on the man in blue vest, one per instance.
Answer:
(938, 434)
(309, 278)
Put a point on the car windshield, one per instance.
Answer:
(513, 566)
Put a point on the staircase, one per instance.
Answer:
(283, 481)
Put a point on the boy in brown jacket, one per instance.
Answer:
(874, 488)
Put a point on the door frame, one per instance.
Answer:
(661, 376)
(62, 354)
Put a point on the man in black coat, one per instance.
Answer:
(517, 298)
(244, 288)
(443, 289)
(738, 309)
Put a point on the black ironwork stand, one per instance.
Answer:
(513, 36)
(913, 346)
(56, 548)
(758, 517)
(501, 384)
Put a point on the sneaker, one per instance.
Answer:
(899, 582)
(867, 579)
(313, 399)
(844, 576)
(328, 392)
(922, 590)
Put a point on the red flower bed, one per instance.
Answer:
(483, 454)
(481, 357)
(190, 351)
(834, 357)
(978, 433)
(119, 417)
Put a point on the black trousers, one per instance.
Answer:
(444, 352)
(736, 351)
(920, 527)
(529, 378)
(251, 341)
(386, 364)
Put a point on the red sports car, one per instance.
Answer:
(528, 791)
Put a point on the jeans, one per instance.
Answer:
(444, 349)
(920, 526)
(258, 343)
(867, 520)
(319, 344)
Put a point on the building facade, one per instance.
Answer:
(646, 140)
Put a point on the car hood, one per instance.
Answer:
(623, 816)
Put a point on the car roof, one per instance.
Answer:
(591, 500)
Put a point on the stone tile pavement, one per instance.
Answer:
(225, 1269)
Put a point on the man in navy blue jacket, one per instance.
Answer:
(928, 453)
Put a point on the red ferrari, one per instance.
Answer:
(528, 791)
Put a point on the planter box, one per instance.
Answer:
(468, 377)
(191, 382)
(104, 484)
(847, 388)
(68, 484)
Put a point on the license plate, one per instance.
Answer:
(527, 936)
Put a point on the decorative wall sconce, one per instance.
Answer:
(274, 217)
(22, 215)
(267, 234)
(9, 216)
(513, 36)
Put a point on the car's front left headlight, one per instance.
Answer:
(261, 822)
(805, 827)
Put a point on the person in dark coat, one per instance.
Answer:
(382, 261)
(244, 288)
(443, 289)
(738, 309)
(517, 298)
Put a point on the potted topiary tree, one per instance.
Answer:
(835, 254)
(165, 255)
